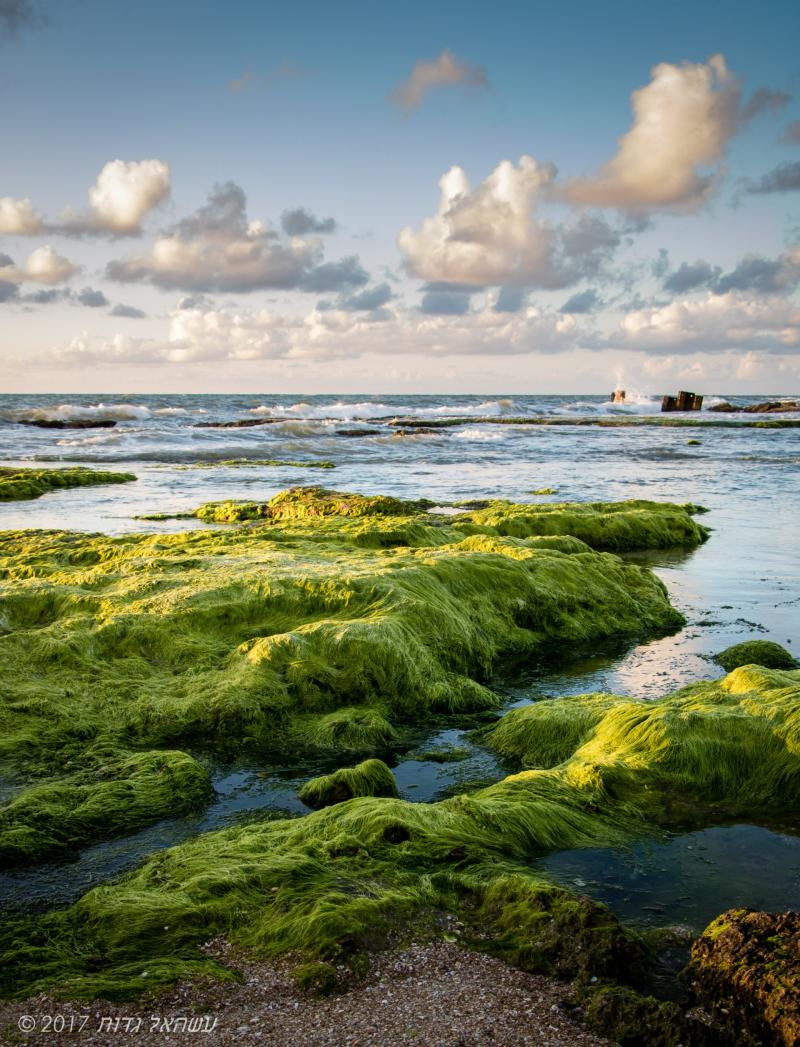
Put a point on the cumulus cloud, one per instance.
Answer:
(689, 276)
(8, 291)
(92, 299)
(219, 249)
(713, 323)
(487, 235)
(764, 275)
(781, 179)
(44, 266)
(490, 235)
(682, 121)
(301, 222)
(427, 76)
(343, 275)
(753, 273)
(583, 302)
(18, 218)
(122, 195)
(129, 311)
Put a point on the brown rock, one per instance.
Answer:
(745, 970)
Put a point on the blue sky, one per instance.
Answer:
(295, 108)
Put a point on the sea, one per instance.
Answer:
(744, 583)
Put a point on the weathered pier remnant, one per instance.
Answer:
(682, 402)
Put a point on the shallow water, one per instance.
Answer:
(743, 583)
(689, 879)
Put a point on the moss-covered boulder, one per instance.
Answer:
(756, 652)
(369, 778)
(20, 484)
(745, 970)
(113, 798)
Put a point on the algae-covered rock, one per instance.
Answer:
(717, 746)
(318, 979)
(745, 970)
(633, 1019)
(266, 636)
(369, 778)
(333, 882)
(756, 652)
(20, 484)
(113, 798)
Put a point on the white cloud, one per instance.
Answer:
(485, 236)
(122, 195)
(18, 218)
(714, 323)
(44, 266)
(426, 76)
(202, 332)
(683, 120)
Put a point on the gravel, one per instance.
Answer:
(429, 995)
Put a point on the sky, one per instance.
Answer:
(356, 197)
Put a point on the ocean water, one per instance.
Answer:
(744, 583)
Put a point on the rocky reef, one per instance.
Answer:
(19, 484)
(328, 622)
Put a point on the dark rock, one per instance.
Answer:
(768, 407)
(745, 971)
(240, 423)
(358, 432)
(48, 423)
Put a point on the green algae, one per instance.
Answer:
(616, 526)
(328, 626)
(337, 881)
(110, 799)
(756, 652)
(20, 484)
(369, 778)
(318, 979)
(327, 630)
(728, 746)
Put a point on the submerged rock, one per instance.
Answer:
(745, 970)
(756, 652)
